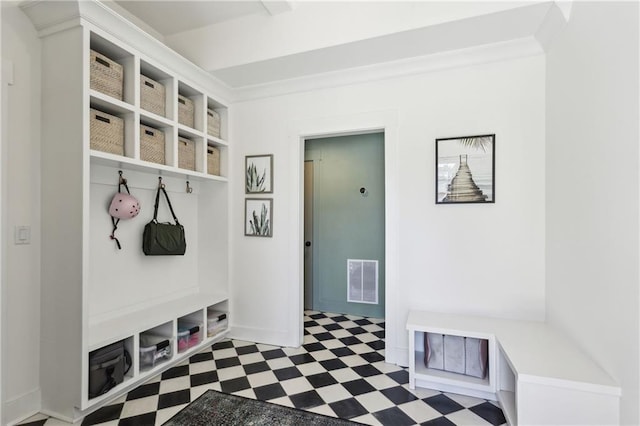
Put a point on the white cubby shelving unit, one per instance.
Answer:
(93, 294)
(421, 376)
(537, 374)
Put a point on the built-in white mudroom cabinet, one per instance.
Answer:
(94, 294)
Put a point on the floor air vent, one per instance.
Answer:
(362, 281)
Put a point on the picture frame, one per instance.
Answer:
(258, 174)
(465, 169)
(258, 217)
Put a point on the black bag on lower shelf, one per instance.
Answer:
(107, 367)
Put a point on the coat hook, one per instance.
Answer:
(122, 180)
(189, 189)
(160, 184)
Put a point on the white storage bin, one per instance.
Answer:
(189, 333)
(217, 321)
(153, 349)
(456, 354)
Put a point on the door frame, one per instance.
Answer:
(354, 124)
(309, 194)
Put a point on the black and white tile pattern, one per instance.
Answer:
(339, 371)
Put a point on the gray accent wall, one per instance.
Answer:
(347, 223)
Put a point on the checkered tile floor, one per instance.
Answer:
(339, 371)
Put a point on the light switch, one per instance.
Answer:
(23, 234)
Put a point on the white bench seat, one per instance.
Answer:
(538, 375)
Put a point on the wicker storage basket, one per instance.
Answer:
(151, 144)
(213, 161)
(185, 111)
(213, 123)
(152, 95)
(106, 75)
(186, 154)
(106, 132)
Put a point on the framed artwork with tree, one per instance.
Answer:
(465, 170)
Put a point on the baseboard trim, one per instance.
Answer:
(397, 356)
(263, 335)
(22, 407)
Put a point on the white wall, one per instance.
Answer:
(592, 189)
(480, 259)
(21, 182)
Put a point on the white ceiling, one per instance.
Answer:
(168, 17)
(171, 17)
(246, 43)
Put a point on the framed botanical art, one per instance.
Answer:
(465, 169)
(258, 217)
(259, 174)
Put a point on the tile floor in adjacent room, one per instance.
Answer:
(339, 371)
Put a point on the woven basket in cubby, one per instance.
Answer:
(106, 75)
(213, 123)
(106, 132)
(185, 111)
(186, 154)
(151, 144)
(152, 96)
(213, 160)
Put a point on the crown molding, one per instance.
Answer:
(553, 23)
(494, 52)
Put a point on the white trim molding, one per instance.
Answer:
(387, 122)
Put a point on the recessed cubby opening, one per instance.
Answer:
(217, 319)
(121, 56)
(110, 366)
(191, 103)
(221, 111)
(217, 157)
(190, 331)
(452, 354)
(187, 153)
(156, 346)
(153, 141)
(111, 129)
(450, 379)
(154, 82)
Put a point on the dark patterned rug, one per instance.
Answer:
(216, 408)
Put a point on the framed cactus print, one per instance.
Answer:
(259, 174)
(258, 217)
(465, 169)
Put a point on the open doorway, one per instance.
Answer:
(344, 224)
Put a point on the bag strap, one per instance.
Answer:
(155, 207)
(115, 222)
(121, 182)
(127, 361)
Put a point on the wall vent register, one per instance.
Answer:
(362, 281)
